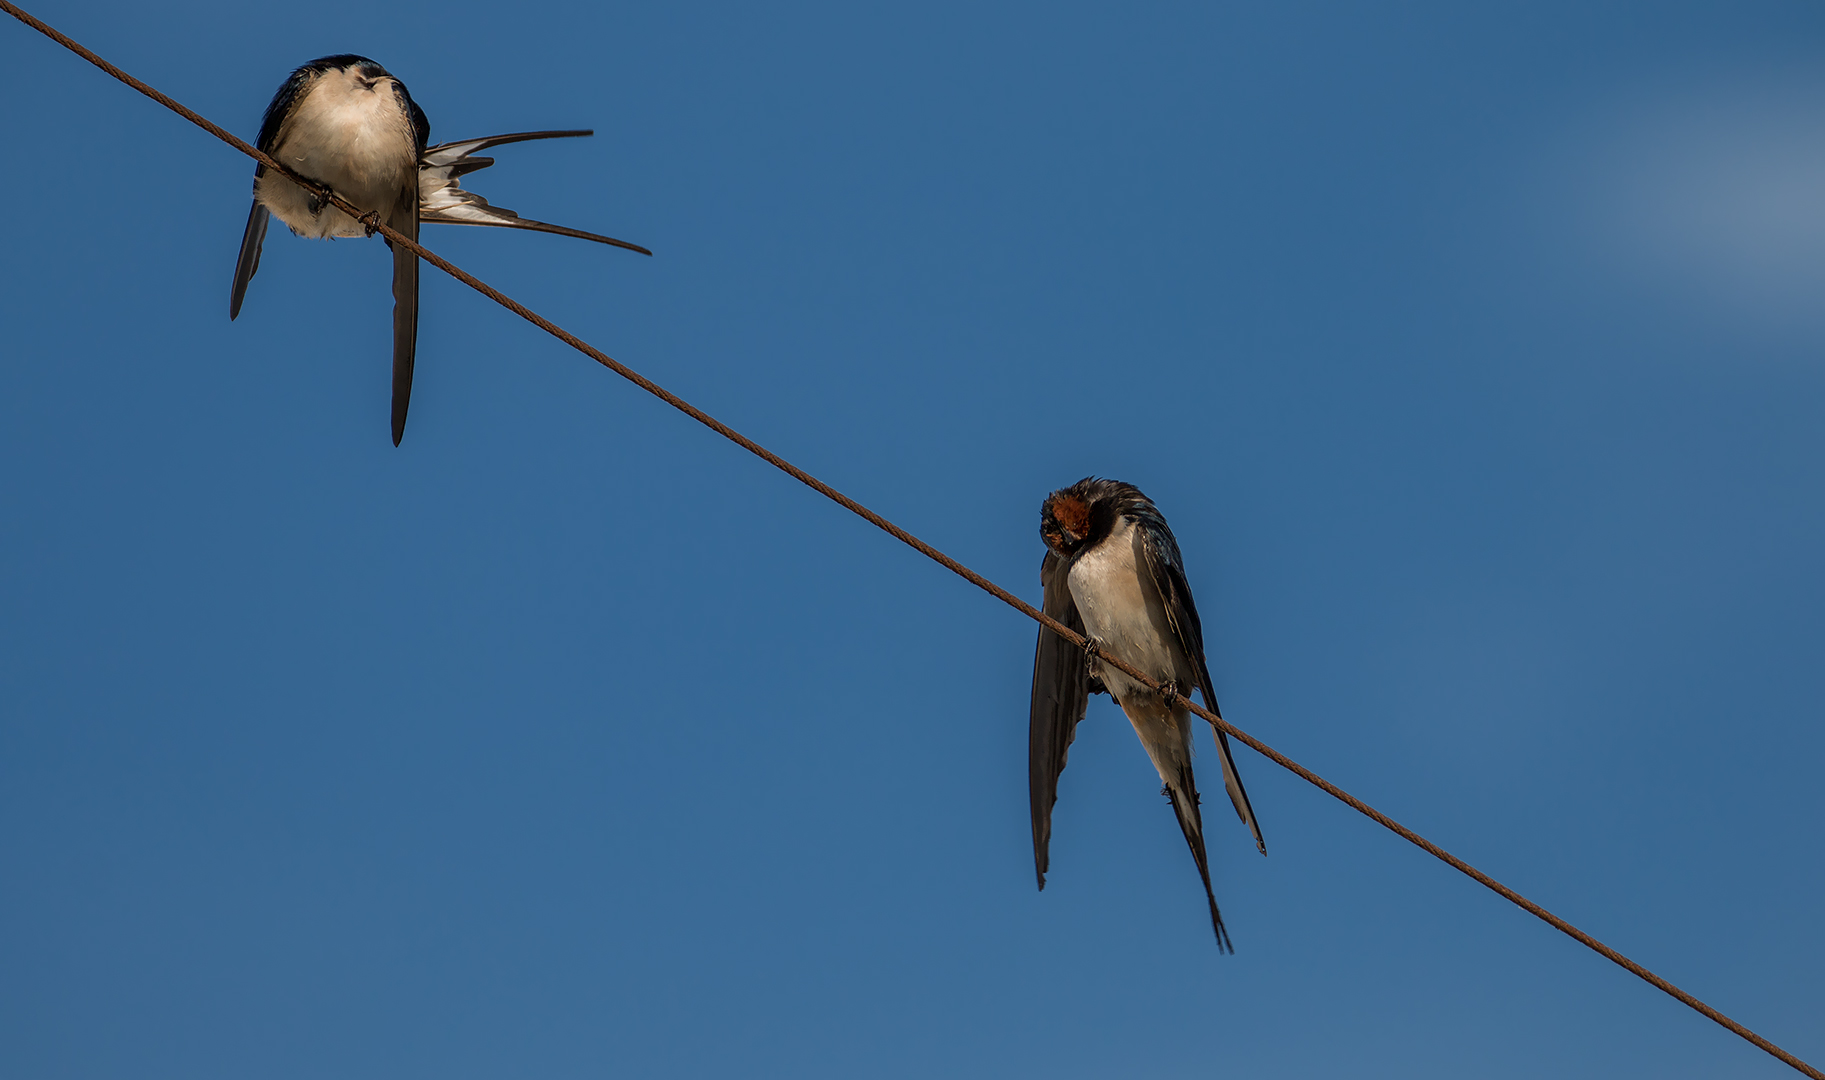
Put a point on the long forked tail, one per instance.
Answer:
(1184, 796)
(443, 200)
(1166, 735)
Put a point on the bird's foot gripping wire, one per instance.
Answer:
(1093, 650)
(1170, 691)
(370, 221)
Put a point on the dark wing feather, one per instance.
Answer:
(405, 275)
(442, 200)
(1168, 573)
(249, 262)
(280, 106)
(421, 124)
(1061, 690)
(405, 313)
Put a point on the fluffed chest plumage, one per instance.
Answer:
(356, 138)
(1122, 609)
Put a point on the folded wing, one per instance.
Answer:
(1168, 572)
(249, 262)
(1061, 690)
(405, 314)
(443, 201)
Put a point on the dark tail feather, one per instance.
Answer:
(1192, 825)
(472, 145)
(517, 222)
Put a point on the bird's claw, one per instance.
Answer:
(317, 202)
(1170, 690)
(370, 221)
(1092, 667)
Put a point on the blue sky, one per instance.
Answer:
(1474, 353)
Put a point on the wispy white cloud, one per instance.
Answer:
(1712, 195)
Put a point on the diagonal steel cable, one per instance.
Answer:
(914, 542)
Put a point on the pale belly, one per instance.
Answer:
(359, 144)
(1122, 610)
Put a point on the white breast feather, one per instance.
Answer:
(357, 140)
(1122, 609)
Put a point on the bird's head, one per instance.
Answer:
(1064, 520)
